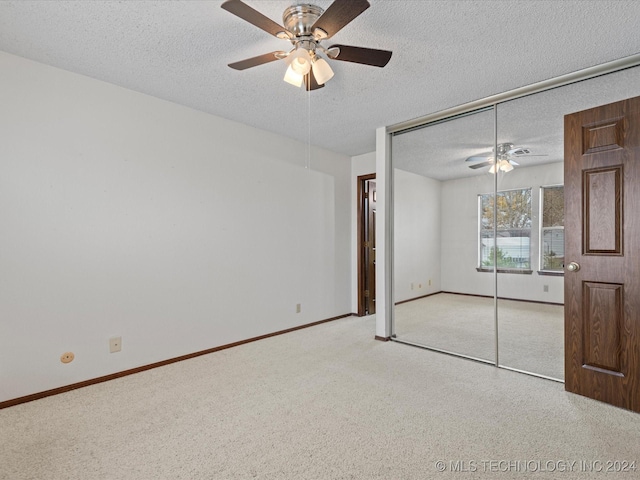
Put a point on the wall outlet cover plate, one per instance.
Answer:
(115, 344)
(67, 357)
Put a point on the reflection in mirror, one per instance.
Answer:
(444, 298)
(531, 286)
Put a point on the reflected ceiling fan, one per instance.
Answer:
(306, 26)
(504, 159)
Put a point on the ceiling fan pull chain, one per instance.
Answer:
(308, 162)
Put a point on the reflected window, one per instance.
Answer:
(552, 229)
(511, 249)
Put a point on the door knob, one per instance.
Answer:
(573, 267)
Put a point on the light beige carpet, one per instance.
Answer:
(327, 402)
(531, 335)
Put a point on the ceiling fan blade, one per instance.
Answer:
(365, 56)
(518, 151)
(514, 163)
(255, 61)
(486, 163)
(523, 152)
(310, 82)
(254, 17)
(339, 13)
(480, 157)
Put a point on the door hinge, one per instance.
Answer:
(366, 293)
(366, 195)
(366, 244)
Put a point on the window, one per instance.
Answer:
(552, 229)
(512, 246)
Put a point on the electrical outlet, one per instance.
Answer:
(419, 285)
(115, 344)
(298, 307)
(67, 357)
(545, 288)
(429, 282)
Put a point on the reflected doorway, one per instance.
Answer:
(366, 245)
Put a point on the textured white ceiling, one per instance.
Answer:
(445, 53)
(536, 122)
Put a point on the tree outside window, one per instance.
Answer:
(552, 229)
(512, 246)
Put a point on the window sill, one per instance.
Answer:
(551, 273)
(506, 270)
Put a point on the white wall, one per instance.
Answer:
(122, 214)
(416, 227)
(460, 236)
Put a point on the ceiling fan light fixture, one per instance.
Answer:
(321, 70)
(300, 61)
(505, 166)
(292, 77)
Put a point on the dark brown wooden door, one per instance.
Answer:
(602, 253)
(366, 244)
(370, 249)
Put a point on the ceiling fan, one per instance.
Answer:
(504, 160)
(306, 26)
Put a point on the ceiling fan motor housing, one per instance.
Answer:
(299, 19)
(503, 148)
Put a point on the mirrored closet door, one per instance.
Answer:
(531, 246)
(478, 205)
(443, 300)
(530, 240)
